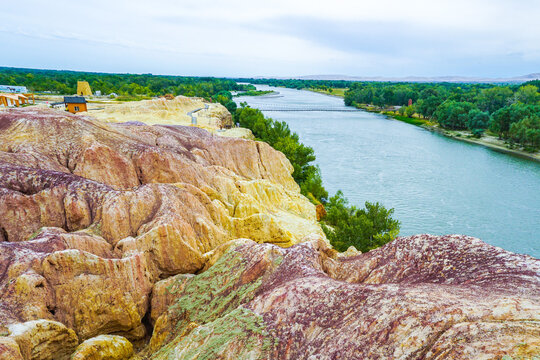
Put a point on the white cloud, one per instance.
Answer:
(283, 37)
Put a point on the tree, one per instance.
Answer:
(427, 107)
(494, 98)
(409, 111)
(478, 122)
(526, 132)
(527, 94)
(365, 229)
(454, 114)
(503, 118)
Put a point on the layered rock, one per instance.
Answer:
(420, 297)
(93, 214)
(179, 110)
(166, 236)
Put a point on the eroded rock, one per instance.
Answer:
(104, 347)
(93, 214)
(44, 340)
(396, 302)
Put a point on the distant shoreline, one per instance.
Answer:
(453, 135)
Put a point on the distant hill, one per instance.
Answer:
(453, 79)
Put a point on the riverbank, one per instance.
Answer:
(489, 141)
(256, 93)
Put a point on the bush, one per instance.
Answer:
(365, 229)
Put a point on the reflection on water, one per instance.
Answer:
(436, 185)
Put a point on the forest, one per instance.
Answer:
(65, 82)
(511, 112)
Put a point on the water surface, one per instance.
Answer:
(435, 184)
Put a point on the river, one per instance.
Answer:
(435, 184)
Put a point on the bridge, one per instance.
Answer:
(305, 108)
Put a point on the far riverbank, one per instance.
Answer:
(488, 141)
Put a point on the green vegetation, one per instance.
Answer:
(129, 85)
(330, 91)
(344, 225)
(473, 107)
(325, 85)
(255, 93)
(365, 229)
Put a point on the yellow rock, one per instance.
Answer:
(9, 349)
(44, 339)
(104, 347)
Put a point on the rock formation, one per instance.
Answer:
(93, 214)
(419, 297)
(213, 117)
(189, 246)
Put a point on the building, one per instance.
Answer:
(83, 88)
(75, 104)
(13, 89)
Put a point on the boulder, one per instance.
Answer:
(104, 347)
(43, 340)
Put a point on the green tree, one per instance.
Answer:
(454, 114)
(527, 94)
(409, 111)
(503, 118)
(526, 132)
(494, 98)
(478, 122)
(365, 229)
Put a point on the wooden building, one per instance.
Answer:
(75, 104)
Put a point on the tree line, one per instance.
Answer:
(511, 112)
(127, 85)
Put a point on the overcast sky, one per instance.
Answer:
(495, 38)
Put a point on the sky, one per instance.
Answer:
(237, 38)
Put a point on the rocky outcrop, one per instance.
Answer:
(171, 111)
(420, 297)
(167, 237)
(93, 214)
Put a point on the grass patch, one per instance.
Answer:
(334, 91)
(255, 93)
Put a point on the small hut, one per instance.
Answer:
(75, 104)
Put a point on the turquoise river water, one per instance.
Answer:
(435, 184)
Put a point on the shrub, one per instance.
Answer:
(365, 229)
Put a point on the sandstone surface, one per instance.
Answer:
(419, 297)
(194, 246)
(93, 214)
(104, 347)
(179, 110)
